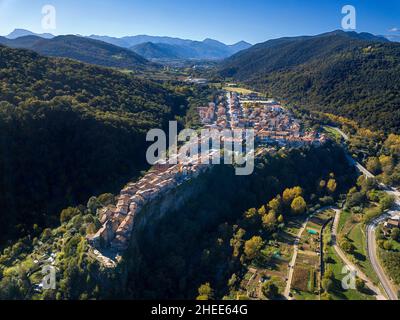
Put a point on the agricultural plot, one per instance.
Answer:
(311, 239)
(307, 272)
(251, 286)
(275, 268)
(238, 90)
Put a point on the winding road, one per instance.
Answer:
(385, 281)
(371, 227)
(352, 266)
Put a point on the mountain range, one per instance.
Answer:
(155, 47)
(350, 74)
(288, 52)
(356, 75)
(17, 33)
(81, 49)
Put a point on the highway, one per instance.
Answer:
(371, 227)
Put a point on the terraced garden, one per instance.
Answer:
(307, 274)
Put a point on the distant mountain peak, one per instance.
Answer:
(213, 41)
(240, 46)
(18, 33)
(242, 42)
(163, 47)
(82, 49)
(357, 35)
(155, 47)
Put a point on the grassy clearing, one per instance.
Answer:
(396, 246)
(338, 293)
(238, 90)
(344, 217)
(334, 263)
(301, 295)
(355, 232)
(358, 237)
(333, 133)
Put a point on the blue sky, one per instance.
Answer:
(225, 20)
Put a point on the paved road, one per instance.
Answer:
(342, 255)
(371, 240)
(293, 262)
(385, 281)
(345, 136)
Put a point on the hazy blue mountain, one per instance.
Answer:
(17, 33)
(151, 50)
(175, 47)
(393, 37)
(135, 40)
(114, 41)
(81, 49)
(172, 48)
(25, 42)
(241, 45)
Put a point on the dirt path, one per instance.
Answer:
(286, 293)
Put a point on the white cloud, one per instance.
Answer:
(394, 30)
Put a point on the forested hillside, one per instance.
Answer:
(348, 74)
(151, 50)
(81, 49)
(69, 131)
(204, 241)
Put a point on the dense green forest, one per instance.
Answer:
(69, 131)
(198, 242)
(174, 255)
(348, 74)
(73, 134)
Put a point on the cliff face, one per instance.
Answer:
(182, 239)
(130, 265)
(172, 201)
(120, 222)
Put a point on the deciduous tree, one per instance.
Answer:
(298, 205)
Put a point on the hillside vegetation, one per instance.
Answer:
(347, 74)
(206, 241)
(69, 131)
(151, 50)
(81, 49)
